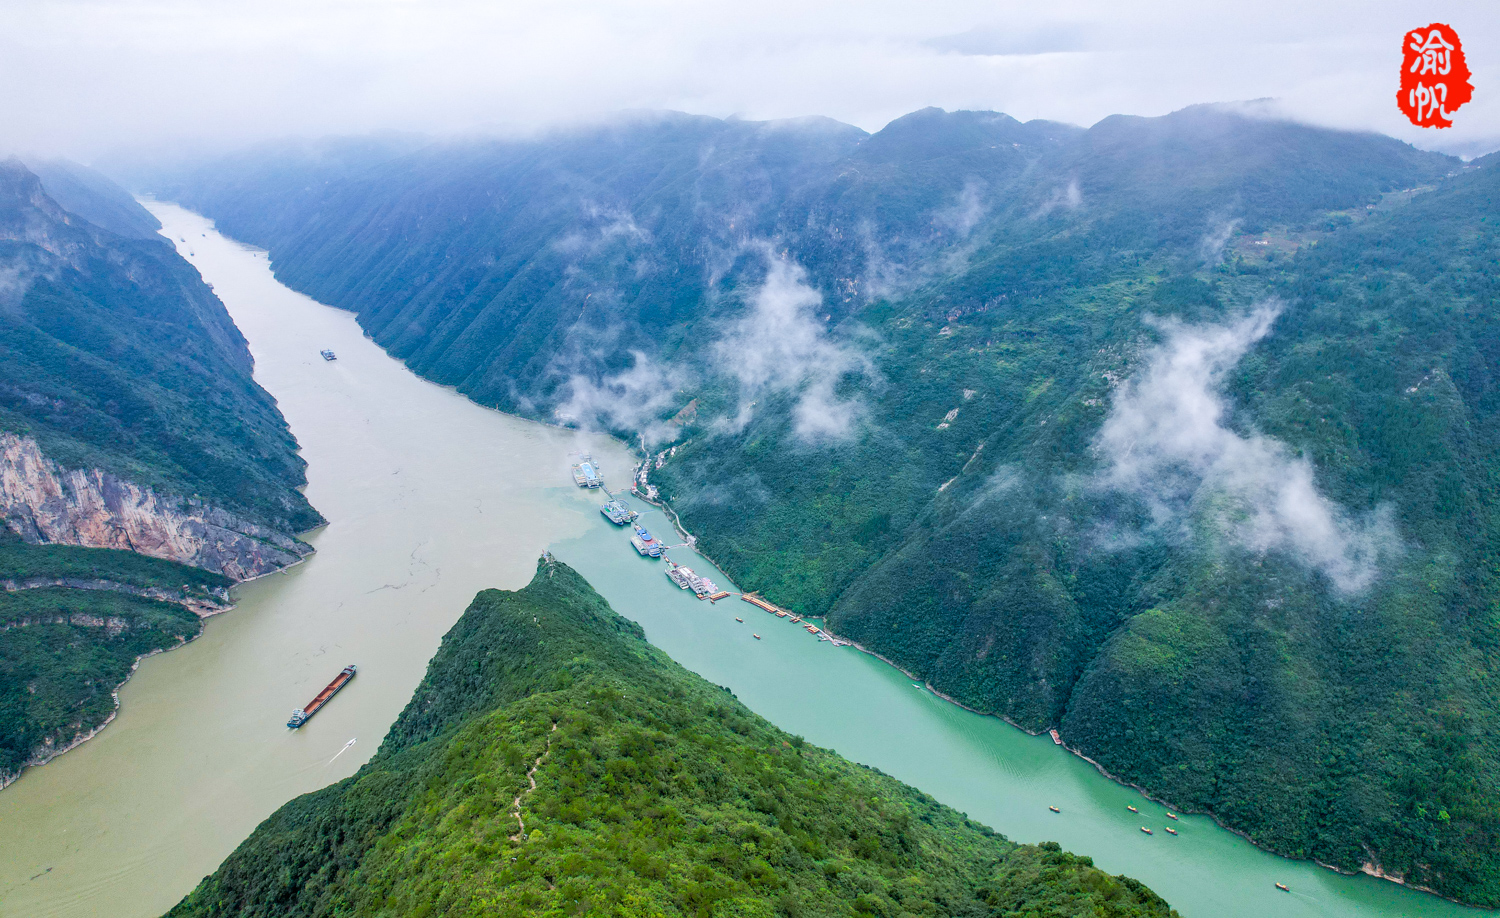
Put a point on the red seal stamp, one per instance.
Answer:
(1434, 76)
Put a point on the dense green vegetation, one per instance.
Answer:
(21, 561)
(63, 650)
(1018, 275)
(62, 655)
(655, 794)
(115, 355)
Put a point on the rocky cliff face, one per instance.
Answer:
(96, 509)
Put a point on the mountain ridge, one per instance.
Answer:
(552, 760)
(901, 375)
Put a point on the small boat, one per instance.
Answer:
(1282, 887)
(1146, 830)
(756, 636)
(1131, 808)
(327, 354)
(1171, 831)
(1171, 815)
(1054, 809)
(740, 620)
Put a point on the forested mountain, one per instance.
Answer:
(554, 762)
(129, 425)
(1175, 434)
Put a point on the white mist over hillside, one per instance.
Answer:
(781, 345)
(1166, 442)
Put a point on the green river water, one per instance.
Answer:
(431, 498)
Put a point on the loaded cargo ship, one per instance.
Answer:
(303, 715)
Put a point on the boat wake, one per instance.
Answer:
(341, 751)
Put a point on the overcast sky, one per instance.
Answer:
(81, 78)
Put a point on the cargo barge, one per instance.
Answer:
(303, 715)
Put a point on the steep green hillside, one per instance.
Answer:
(21, 562)
(115, 355)
(1355, 725)
(1175, 434)
(72, 625)
(511, 269)
(642, 790)
(128, 374)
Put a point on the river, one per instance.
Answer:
(431, 498)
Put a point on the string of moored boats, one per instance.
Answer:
(587, 474)
(1145, 829)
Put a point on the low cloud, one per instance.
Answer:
(605, 226)
(634, 399)
(15, 281)
(1165, 442)
(1068, 198)
(965, 213)
(781, 346)
(1211, 246)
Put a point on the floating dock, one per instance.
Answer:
(755, 600)
(586, 473)
(303, 715)
(618, 512)
(646, 544)
(684, 577)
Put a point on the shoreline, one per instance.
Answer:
(1370, 869)
(194, 606)
(80, 739)
(678, 525)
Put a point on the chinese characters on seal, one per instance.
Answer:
(1434, 76)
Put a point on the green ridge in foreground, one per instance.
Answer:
(654, 793)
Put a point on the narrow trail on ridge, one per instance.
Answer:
(515, 809)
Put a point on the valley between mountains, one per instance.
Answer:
(1177, 435)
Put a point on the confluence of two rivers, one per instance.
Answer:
(432, 498)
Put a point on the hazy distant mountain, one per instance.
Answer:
(94, 197)
(1177, 434)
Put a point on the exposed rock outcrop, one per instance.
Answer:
(96, 509)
